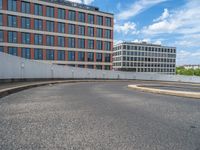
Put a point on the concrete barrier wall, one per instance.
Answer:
(12, 67)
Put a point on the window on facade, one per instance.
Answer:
(108, 21)
(50, 54)
(98, 57)
(38, 54)
(99, 32)
(26, 53)
(49, 11)
(38, 24)
(26, 38)
(25, 23)
(71, 42)
(12, 51)
(91, 18)
(1, 36)
(107, 57)
(107, 34)
(90, 31)
(81, 56)
(81, 30)
(38, 39)
(71, 29)
(25, 7)
(90, 56)
(12, 5)
(12, 37)
(1, 49)
(50, 26)
(12, 21)
(81, 17)
(107, 67)
(99, 45)
(38, 9)
(61, 13)
(50, 40)
(99, 67)
(61, 41)
(81, 43)
(61, 27)
(61, 55)
(71, 56)
(72, 15)
(99, 20)
(1, 19)
(107, 46)
(91, 44)
(1, 4)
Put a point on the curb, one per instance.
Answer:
(166, 92)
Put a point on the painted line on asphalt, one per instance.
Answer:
(166, 92)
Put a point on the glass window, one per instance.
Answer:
(1, 36)
(91, 44)
(99, 20)
(50, 40)
(98, 57)
(99, 32)
(61, 13)
(61, 27)
(71, 56)
(38, 38)
(49, 11)
(26, 53)
(12, 21)
(81, 17)
(38, 24)
(12, 37)
(61, 55)
(71, 42)
(90, 31)
(91, 18)
(72, 15)
(107, 67)
(61, 41)
(81, 43)
(25, 7)
(107, 57)
(26, 38)
(90, 56)
(38, 9)
(1, 49)
(71, 29)
(25, 23)
(108, 21)
(99, 67)
(50, 26)
(99, 45)
(12, 5)
(12, 51)
(81, 56)
(1, 4)
(1, 19)
(38, 54)
(107, 46)
(81, 30)
(50, 54)
(107, 34)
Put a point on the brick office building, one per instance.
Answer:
(57, 31)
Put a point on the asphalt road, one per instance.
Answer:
(100, 116)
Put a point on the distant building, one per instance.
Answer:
(144, 57)
(191, 66)
(57, 31)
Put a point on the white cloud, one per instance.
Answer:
(164, 15)
(87, 2)
(136, 8)
(188, 57)
(147, 40)
(126, 28)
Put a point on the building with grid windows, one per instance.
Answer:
(57, 31)
(144, 57)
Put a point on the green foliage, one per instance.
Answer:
(188, 72)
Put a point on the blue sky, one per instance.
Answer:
(167, 22)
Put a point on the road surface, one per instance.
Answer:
(102, 116)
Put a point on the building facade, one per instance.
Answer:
(144, 57)
(57, 31)
(191, 66)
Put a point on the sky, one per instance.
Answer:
(168, 22)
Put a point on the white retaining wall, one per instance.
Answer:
(12, 67)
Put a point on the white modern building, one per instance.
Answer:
(191, 66)
(144, 57)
